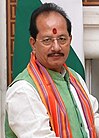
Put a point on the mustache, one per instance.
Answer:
(55, 54)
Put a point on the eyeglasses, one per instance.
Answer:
(48, 41)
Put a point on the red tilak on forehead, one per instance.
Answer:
(54, 31)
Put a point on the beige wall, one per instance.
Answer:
(3, 77)
(95, 78)
(91, 47)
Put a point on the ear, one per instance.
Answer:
(32, 42)
(70, 38)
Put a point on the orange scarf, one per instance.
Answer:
(54, 103)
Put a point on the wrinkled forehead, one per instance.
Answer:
(51, 20)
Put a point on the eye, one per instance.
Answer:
(62, 40)
(46, 41)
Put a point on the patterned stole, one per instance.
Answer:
(53, 102)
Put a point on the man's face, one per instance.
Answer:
(53, 41)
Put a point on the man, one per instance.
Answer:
(48, 99)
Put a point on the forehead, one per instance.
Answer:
(49, 20)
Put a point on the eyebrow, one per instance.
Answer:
(57, 36)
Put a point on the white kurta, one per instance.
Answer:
(28, 116)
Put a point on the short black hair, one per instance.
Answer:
(47, 7)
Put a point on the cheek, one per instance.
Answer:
(66, 51)
(41, 53)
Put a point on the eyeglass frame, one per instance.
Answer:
(52, 39)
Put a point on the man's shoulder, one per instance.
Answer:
(24, 75)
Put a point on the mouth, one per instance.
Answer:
(55, 55)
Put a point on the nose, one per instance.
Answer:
(55, 45)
